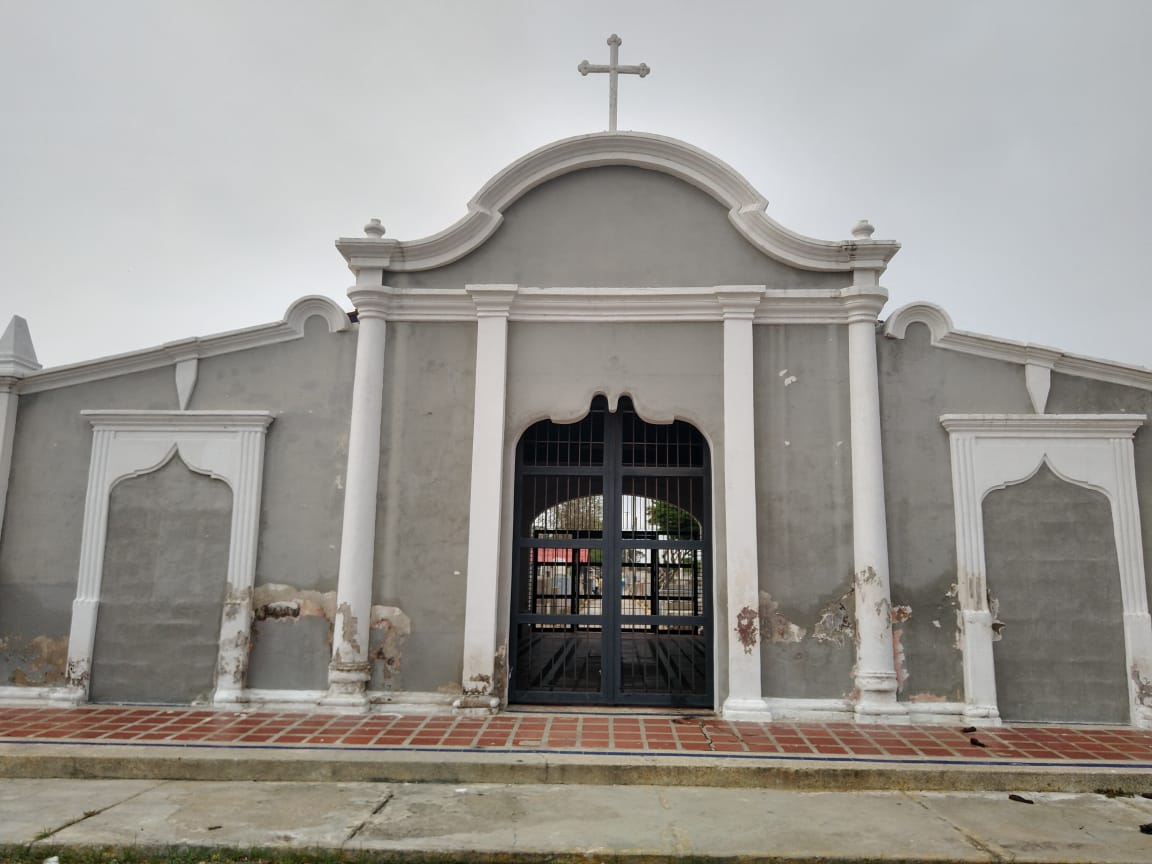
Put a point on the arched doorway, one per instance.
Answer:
(612, 572)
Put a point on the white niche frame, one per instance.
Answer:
(993, 451)
(224, 445)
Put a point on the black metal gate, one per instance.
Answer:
(612, 574)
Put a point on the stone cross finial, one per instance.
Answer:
(613, 69)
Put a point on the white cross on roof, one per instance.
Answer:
(613, 69)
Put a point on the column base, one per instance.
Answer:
(1142, 717)
(982, 715)
(747, 710)
(476, 706)
(876, 700)
(347, 686)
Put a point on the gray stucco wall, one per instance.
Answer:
(617, 226)
(307, 384)
(1054, 577)
(918, 383)
(1073, 395)
(804, 508)
(162, 590)
(671, 371)
(425, 477)
(40, 545)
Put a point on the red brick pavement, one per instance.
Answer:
(539, 730)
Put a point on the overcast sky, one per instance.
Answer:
(178, 169)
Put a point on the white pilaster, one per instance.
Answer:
(742, 626)
(875, 664)
(483, 681)
(350, 671)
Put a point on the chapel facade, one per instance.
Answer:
(616, 437)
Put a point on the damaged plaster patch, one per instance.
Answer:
(42, 661)
(780, 628)
(478, 685)
(388, 628)
(271, 600)
(1143, 687)
(898, 615)
(348, 623)
(835, 622)
(746, 629)
(997, 625)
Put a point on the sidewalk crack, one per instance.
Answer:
(987, 847)
(88, 814)
(388, 796)
(707, 737)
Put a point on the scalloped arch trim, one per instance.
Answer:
(652, 152)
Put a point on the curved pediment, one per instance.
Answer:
(745, 207)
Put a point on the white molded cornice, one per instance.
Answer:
(746, 207)
(134, 420)
(945, 336)
(289, 328)
(1044, 425)
(799, 306)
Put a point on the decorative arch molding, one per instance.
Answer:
(746, 207)
(937, 320)
(994, 451)
(316, 304)
(224, 445)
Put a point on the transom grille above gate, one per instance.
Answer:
(612, 597)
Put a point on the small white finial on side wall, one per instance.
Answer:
(17, 354)
(863, 230)
(374, 229)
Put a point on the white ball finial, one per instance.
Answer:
(374, 229)
(862, 230)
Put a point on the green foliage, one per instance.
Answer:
(670, 520)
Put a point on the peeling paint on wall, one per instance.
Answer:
(835, 623)
(746, 629)
(271, 599)
(1143, 685)
(898, 615)
(997, 625)
(40, 661)
(776, 625)
(388, 628)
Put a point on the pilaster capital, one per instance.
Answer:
(492, 301)
(739, 302)
(372, 302)
(864, 302)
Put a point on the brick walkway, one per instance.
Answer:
(529, 730)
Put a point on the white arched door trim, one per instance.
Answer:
(992, 451)
(225, 445)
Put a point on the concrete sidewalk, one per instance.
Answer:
(565, 822)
